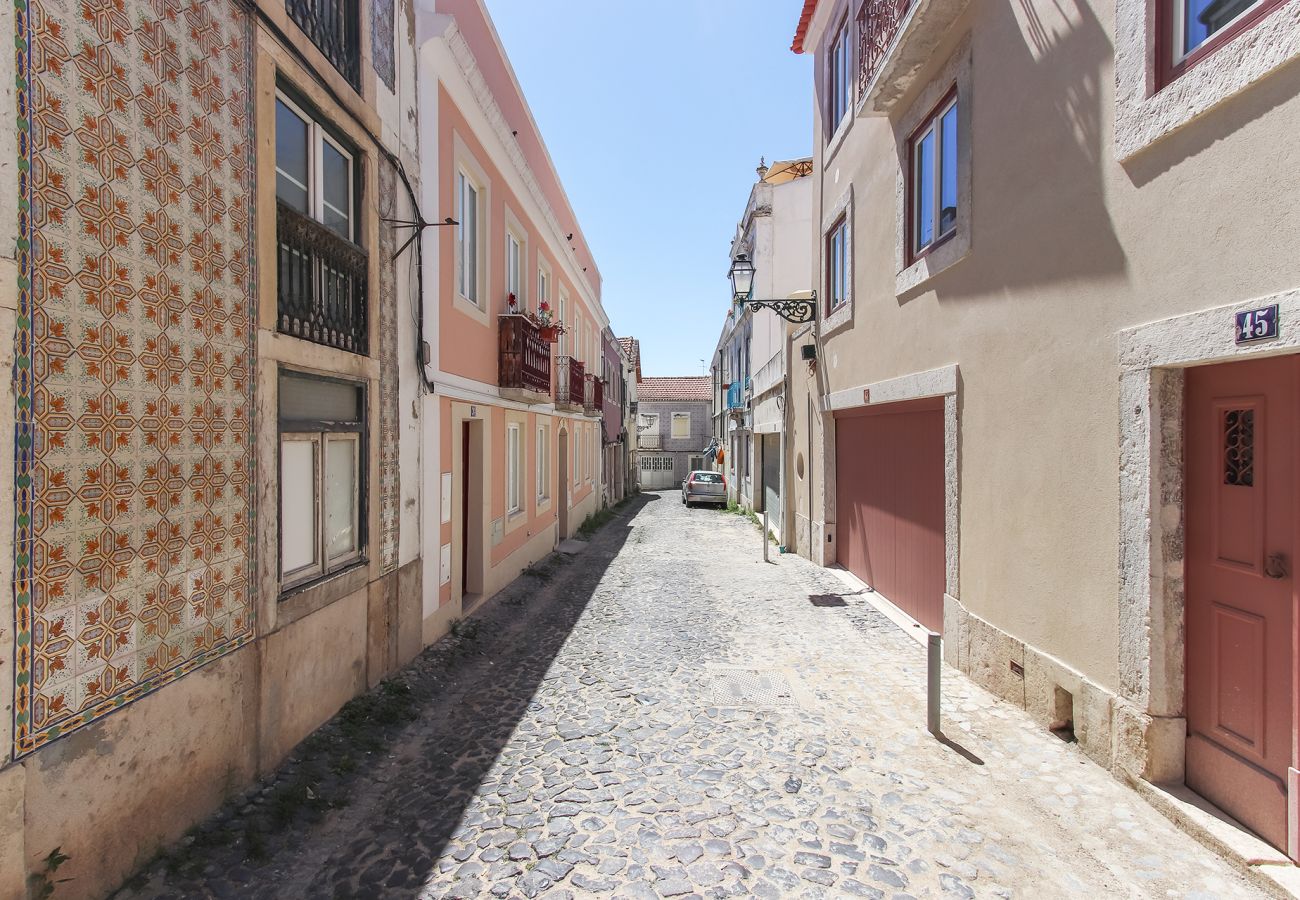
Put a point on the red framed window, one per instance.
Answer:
(932, 179)
(839, 78)
(837, 264)
(1190, 30)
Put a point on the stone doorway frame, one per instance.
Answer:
(1150, 724)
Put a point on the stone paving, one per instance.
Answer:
(665, 715)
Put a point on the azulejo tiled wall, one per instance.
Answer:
(133, 383)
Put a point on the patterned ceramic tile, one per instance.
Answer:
(382, 41)
(389, 474)
(133, 360)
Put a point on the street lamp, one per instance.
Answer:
(797, 309)
(742, 278)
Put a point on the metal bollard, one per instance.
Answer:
(934, 660)
(765, 559)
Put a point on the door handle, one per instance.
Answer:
(1275, 566)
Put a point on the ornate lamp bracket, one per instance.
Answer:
(796, 311)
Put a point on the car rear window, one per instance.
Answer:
(707, 477)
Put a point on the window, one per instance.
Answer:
(514, 491)
(543, 462)
(543, 286)
(839, 79)
(314, 170)
(469, 201)
(515, 268)
(564, 341)
(322, 476)
(837, 267)
(932, 181)
(681, 425)
(1194, 28)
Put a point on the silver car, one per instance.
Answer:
(704, 487)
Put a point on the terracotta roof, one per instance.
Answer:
(693, 387)
(801, 30)
(632, 347)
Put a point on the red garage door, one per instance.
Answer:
(889, 493)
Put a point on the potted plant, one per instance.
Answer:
(512, 304)
(551, 328)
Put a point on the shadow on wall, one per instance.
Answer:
(1039, 212)
(1222, 121)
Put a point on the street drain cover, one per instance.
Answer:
(752, 687)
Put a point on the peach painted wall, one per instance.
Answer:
(467, 346)
(477, 29)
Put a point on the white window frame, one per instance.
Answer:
(543, 463)
(317, 137)
(563, 311)
(514, 472)
(672, 428)
(467, 180)
(315, 568)
(1178, 21)
(516, 260)
(837, 264)
(545, 283)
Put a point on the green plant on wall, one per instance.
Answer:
(40, 885)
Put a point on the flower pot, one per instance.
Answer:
(550, 333)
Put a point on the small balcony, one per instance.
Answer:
(334, 26)
(570, 383)
(590, 402)
(524, 361)
(735, 396)
(321, 283)
(648, 440)
(896, 38)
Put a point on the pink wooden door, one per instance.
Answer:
(889, 490)
(1241, 533)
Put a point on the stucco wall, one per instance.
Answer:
(1068, 247)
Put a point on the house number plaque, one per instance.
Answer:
(1257, 324)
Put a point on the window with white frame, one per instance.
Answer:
(837, 264)
(514, 490)
(681, 425)
(543, 285)
(543, 462)
(322, 476)
(1197, 26)
(564, 311)
(839, 77)
(469, 253)
(315, 170)
(932, 181)
(515, 257)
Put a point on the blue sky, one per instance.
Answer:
(656, 116)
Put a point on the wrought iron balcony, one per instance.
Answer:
(648, 440)
(321, 283)
(524, 362)
(334, 26)
(896, 38)
(600, 396)
(590, 406)
(570, 383)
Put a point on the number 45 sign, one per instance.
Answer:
(1257, 324)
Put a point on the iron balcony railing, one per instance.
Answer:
(877, 23)
(648, 440)
(321, 283)
(334, 26)
(524, 362)
(589, 405)
(570, 378)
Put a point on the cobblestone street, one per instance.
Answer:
(664, 715)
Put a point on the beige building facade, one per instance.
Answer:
(1052, 218)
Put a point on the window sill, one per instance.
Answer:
(305, 599)
(469, 308)
(836, 141)
(934, 262)
(1144, 116)
(839, 317)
